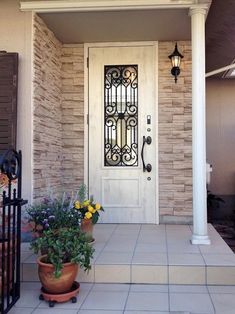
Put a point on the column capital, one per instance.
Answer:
(198, 10)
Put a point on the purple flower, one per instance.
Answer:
(46, 226)
(51, 217)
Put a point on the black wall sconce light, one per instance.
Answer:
(175, 61)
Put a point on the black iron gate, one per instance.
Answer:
(10, 228)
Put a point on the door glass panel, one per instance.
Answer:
(121, 115)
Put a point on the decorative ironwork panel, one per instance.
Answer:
(121, 115)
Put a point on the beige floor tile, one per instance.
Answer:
(149, 274)
(145, 258)
(147, 301)
(188, 275)
(98, 312)
(55, 311)
(194, 303)
(221, 289)
(112, 273)
(188, 289)
(25, 310)
(30, 272)
(114, 258)
(185, 259)
(83, 276)
(111, 287)
(151, 248)
(105, 300)
(220, 275)
(149, 288)
(28, 298)
(219, 259)
(224, 303)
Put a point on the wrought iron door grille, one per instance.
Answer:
(121, 115)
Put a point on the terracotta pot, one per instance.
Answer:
(87, 227)
(52, 284)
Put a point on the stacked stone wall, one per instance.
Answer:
(47, 127)
(175, 134)
(72, 116)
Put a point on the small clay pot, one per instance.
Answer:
(56, 285)
(87, 227)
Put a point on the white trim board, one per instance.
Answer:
(109, 5)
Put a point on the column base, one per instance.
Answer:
(198, 239)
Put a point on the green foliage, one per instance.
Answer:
(63, 246)
(53, 213)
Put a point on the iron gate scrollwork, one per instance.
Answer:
(121, 115)
(10, 229)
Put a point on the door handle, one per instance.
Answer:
(146, 140)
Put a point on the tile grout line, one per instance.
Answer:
(168, 270)
(211, 299)
(86, 297)
(134, 252)
(106, 243)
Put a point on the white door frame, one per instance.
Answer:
(86, 106)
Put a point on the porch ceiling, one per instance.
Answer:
(133, 25)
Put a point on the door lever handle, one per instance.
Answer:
(146, 140)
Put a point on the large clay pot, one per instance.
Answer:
(87, 227)
(56, 285)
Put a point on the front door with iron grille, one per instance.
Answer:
(122, 132)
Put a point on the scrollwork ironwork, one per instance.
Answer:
(10, 164)
(121, 115)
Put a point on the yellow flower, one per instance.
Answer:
(91, 209)
(88, 215)
(97, 206)
(86, 203)
(77, 205)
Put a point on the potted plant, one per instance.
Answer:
(52, 213)
(67, 250)
(89, 211)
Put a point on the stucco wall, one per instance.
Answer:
(16, 36)
(220, 105)
(47, 126)
(175, 135)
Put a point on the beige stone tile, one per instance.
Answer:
(112, 273)
(151, 248)
(105, 300)
(149, 274)
(220, 275)
(222, 289)
(223, 303)
(188, 289)
(24, 310)
(148, 288)
(83, 276)
(185, 259)
(187, 275)
(220, 259)
(30, 272)
(145, 258)
(147, 301)
(110, 287)
(192, 302)
(107, 258)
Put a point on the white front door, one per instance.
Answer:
(122, 132)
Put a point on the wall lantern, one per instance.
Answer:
(175, 60)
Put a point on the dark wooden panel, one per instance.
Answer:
(8, 99)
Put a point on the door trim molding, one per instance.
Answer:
(87, 46)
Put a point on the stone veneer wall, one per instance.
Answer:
(47, 127)
(175, 136)
(73, 116)
(59, 122)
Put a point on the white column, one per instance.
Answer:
(200, 235)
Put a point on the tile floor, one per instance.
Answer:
(146, 254)
(133, 299)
